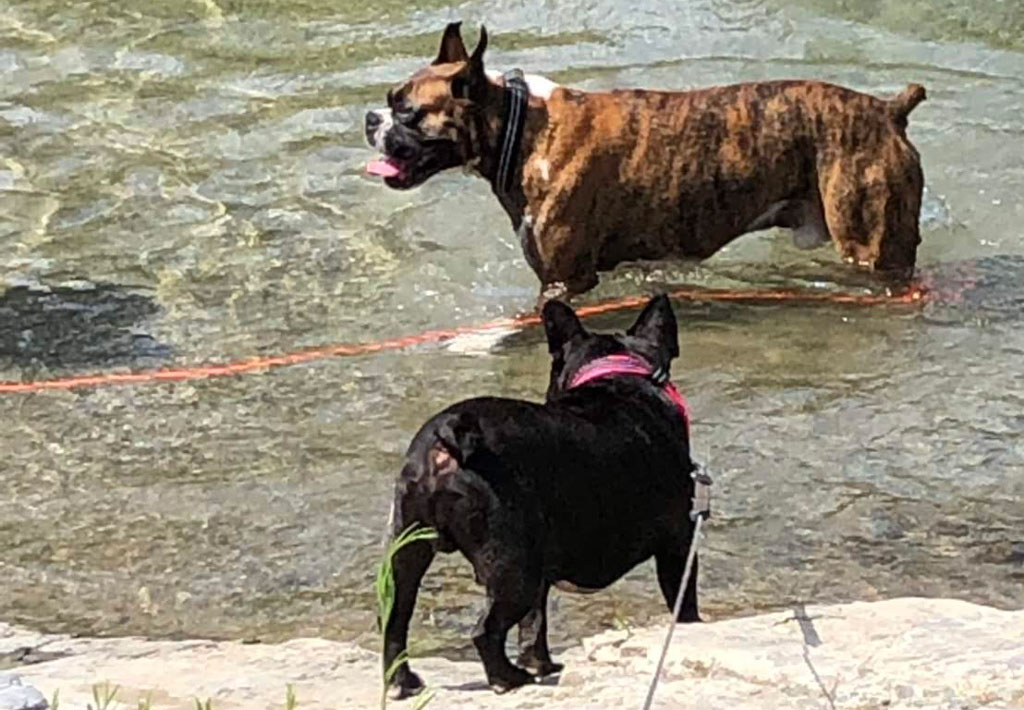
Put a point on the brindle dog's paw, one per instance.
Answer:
(406, 685)
(512, 679)
(901, 284)
(556, 291)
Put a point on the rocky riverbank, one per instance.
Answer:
(902, 653)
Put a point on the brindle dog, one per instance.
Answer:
(600, 178)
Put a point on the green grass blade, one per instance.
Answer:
(390, 671)
(384, 589)
(422, 700)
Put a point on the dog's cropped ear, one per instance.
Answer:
(452, 47)
(657, 325)
(560, 325)
(477, 60)
(472, 83)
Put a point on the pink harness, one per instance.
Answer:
(627, 364)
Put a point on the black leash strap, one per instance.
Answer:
(517, 96)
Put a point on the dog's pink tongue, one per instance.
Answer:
(384, 168)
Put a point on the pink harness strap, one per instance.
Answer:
(628, 364)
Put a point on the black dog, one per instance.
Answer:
(572, 493)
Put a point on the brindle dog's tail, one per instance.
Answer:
(901, 106)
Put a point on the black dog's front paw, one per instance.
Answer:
(510, 680)
(405, 685)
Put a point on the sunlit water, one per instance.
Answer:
(186, 179)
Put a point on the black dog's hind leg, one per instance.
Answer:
(489, 638)
(512, 591)
(409, 564)
(533, 638)
(670, 574)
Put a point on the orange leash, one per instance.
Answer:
(270, 362)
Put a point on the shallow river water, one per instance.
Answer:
(181, 183)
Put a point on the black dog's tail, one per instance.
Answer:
(440, 456)
(459, 436)
(442, 448)
(438, 461)
(901, 105)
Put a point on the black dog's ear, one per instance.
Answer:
(657, 325)
(452, 47)
(560, 325)
(477, 60)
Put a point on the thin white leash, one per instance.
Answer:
(699, 512)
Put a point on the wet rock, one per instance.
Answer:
(900, 654)
(15, 695)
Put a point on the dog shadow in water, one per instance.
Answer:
(75, 327)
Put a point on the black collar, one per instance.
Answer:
(517, 96)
